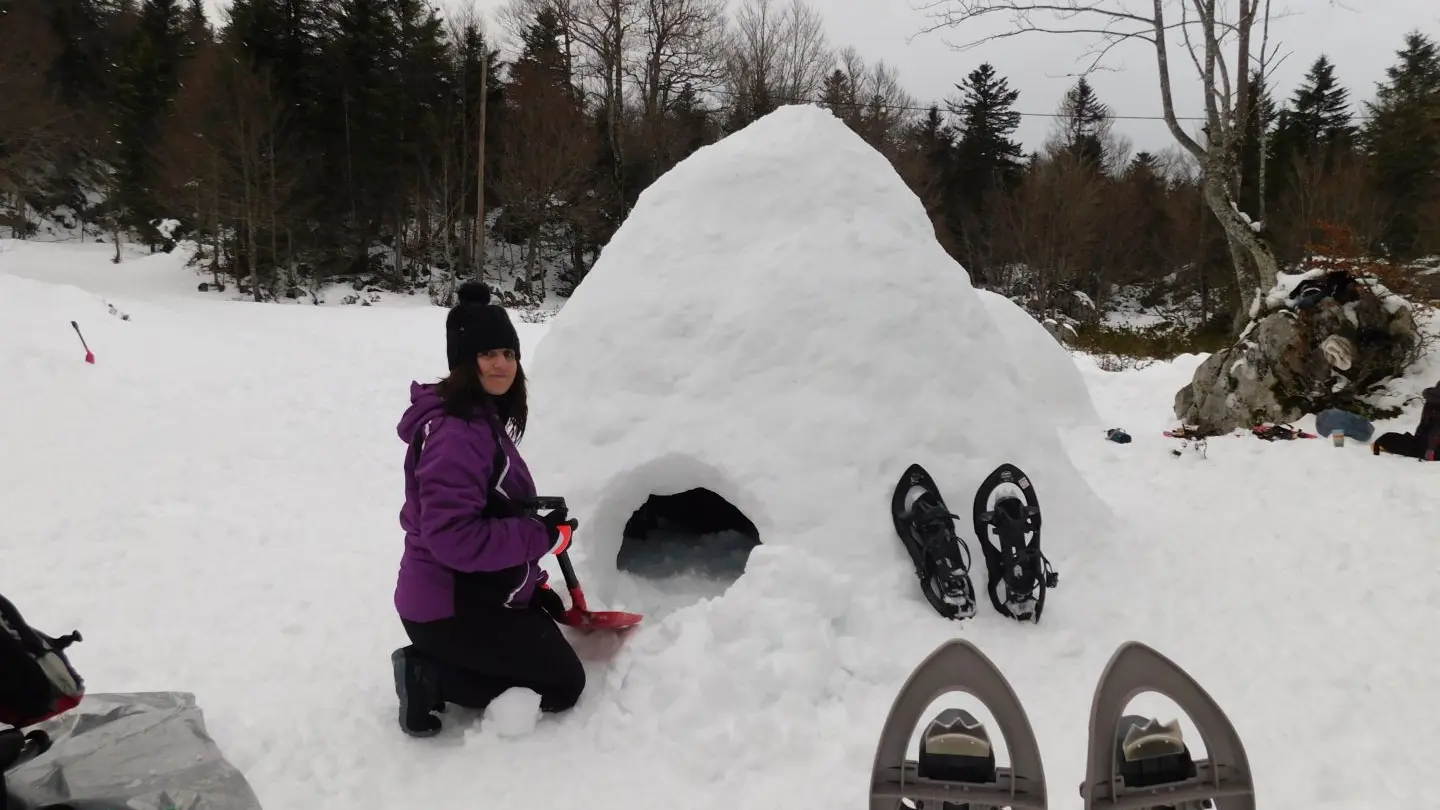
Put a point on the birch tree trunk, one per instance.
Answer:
(1205, 27)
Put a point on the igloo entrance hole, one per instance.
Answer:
(693, 544)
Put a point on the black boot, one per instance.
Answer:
(418, 693)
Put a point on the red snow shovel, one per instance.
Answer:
(579, 614)
(89, 355)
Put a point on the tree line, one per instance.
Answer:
(305, 141)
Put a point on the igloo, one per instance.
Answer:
(1044, 368)
(776, 325)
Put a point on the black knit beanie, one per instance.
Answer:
(474, 325)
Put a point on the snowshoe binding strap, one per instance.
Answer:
(956, 765)
(926, 527)
(1013, 559)
(934, 529)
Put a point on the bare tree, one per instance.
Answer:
(680, 43)
(602, 29)
(780, 51)
(1053, 225)
(1207, 29)
(877, 106)
(1331, 186)
(191, 158)
(257, 193)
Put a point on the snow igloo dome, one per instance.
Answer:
(769, 340)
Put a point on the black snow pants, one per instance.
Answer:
(1401, 444)
(483, 653)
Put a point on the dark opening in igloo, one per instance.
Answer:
(696, 534)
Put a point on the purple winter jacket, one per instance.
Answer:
(462, 551)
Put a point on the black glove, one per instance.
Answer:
(548, 600)
(552, 521)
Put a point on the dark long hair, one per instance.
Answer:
(464, 397)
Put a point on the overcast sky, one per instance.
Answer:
(1362, 43)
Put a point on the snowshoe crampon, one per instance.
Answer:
(956, 768)
(1141, 763)
(1008, 528)
(927, 528)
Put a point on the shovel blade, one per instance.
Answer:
(600, 619)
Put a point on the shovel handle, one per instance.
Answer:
(577, 596)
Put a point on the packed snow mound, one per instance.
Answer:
(775, 322)
(1044, 369)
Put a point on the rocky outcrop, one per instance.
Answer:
(1322, 340)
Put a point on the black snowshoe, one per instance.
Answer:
(1009, 534)
(927, 528)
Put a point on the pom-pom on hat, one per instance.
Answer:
(474, 325)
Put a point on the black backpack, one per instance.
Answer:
(37, 681)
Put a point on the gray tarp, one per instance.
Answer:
(134, 751)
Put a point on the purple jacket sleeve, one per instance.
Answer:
(453, 478)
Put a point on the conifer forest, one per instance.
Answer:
(397, 145)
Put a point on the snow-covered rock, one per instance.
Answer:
(1321, 341)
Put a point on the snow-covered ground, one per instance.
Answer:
(213, 504)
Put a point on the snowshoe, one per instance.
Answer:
(927, 528)
(1013, 561)
(956, 768)
(1272, 433)
(1133, 758)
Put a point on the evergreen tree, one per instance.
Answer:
(1150, 216)
(1403, 138)
(79, 71)
(1321, 106)
(934, 138)
(1317, 121)
(1082, 125)
(835, 93)
(542, 57)
(363, 106)
(548, 143)
(987, 161)
(694, 124)
(148, 79)
(986, 151)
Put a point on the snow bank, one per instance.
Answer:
(1043, 369)
(776, 322)
(213, 505)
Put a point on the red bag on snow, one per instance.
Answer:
(37, 681)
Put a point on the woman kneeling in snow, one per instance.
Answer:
(471, 593)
